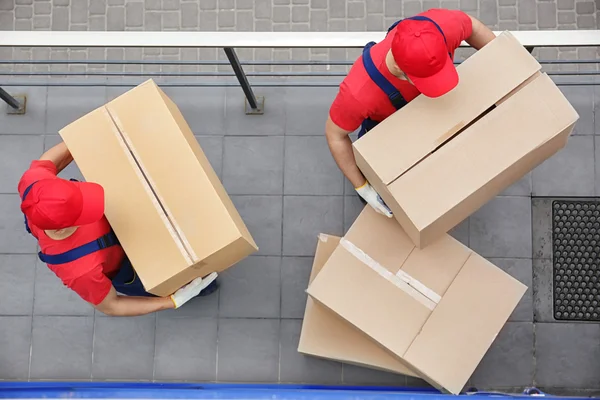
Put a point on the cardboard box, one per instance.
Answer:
(163, 199)
(436, 161)
(324, 334)
(438, 309)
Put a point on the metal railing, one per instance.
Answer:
(229, 41)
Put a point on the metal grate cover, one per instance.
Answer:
(576, 260)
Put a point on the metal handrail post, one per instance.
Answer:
(243, 80)
(8, 99)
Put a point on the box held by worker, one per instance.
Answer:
(437, 160)
(437, 310)
(326, 335)
(163, 199)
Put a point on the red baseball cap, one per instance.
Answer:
(420, 50)
(59, 204)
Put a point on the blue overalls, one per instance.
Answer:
(376, 76)
(125, 281)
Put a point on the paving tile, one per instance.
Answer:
(543, 301)
(356, 375)
(304, 217)
(13, 236)
(67, 104)
(353, 206)
(186, 349)
(62, 347)
(18, 152)
(116, 337)
(263, 216)
(502, 228)
(213, 149)
(582, 99)
(248, 350)
(570, 172)
(509, 361)
(307, 110)
(52, 297)
(72, 171)
(253, 165)
(522, 270)
(15, 345)
(597, 166)
(299, 368)
(272, 122)
(294, 281)
(567, 355)
(461, 232)
(522, 187)
(33, 121)
(541, 217)
(310, 168)
(251, 289)
(17, 276)
(202, 107)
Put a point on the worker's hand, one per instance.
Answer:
(192, 289)
(367, 192)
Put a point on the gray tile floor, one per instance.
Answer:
(280, 175)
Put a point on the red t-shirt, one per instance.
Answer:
(90, 275)
(360, 98)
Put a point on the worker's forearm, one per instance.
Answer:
(126, 306)
(59, 155)
(481, 35)
(341, 149)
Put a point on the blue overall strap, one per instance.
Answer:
(108, 240)
(25, 193)
(376, 76)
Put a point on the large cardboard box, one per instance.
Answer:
(163, 199)
(324, 334)
(437, 160)
(438, 309)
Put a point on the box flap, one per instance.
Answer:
(413, 132)
(155, 126)
(462, 168)
(325, 334)
(470, 316)
(370, 302)
(135, 215)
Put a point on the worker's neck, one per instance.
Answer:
(393, 67)
(60, 234)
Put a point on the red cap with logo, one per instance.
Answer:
(59, 204)
(420, 50)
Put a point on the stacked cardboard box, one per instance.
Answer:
(402, 295)
(163, 199)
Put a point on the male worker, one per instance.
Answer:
(76, 241)
(415, 57)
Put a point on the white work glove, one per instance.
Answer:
(192, 289)
(367, 192)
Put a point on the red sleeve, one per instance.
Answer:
(39, 169)
(93, 286)
(456, 24)
(346, 112)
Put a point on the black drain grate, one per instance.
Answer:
(576, 259)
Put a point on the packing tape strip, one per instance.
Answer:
(403, 281)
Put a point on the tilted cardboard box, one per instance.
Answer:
(437, 160)
(437, 310)
(324, 334)
(163, 199)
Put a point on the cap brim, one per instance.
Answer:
(93, 203)
(439, 84)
